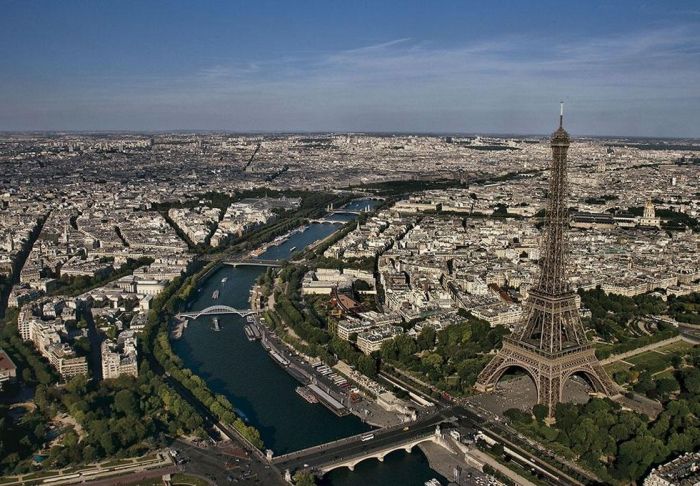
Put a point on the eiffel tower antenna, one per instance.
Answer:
(561, 114)
(551, 344)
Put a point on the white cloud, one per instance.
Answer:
(645, 83)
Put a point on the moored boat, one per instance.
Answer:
(249, 333)
(306, 394)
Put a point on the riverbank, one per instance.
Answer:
(328, 393)
(246, 375)
(264, 393)
(298, 368)
(446, 462)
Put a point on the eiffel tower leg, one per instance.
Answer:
(596, 376)
(607, 386)
(487, 379)
(549, 392)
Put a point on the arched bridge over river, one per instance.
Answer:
(215, 310)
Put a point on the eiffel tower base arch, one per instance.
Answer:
(550, 373)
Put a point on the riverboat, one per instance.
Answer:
(249, 333)
(306, 394)
(215, 295)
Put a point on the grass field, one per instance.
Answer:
(185, 479)
(651, 361)
(680, 347)
(178, 479)
(664, 374)
(602, 345)
(616, 366)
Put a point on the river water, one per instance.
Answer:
(263, 393)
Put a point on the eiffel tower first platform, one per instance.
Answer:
(551, 344)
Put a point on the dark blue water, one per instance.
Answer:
(399, 468)
(299, 241)
(263, 393)
(360, 204)
(342, 216)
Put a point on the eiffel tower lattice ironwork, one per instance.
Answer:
(551, 344)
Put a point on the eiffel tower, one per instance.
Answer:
(551, 344)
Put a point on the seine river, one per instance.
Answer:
(263, 393)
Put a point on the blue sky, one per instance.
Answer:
(623, 67)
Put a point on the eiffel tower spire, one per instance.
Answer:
(551, 344)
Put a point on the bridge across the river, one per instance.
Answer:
(348, 211)
(328, 220)
(215, 310)
(350, 451)
(253, 262)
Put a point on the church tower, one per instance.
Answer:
(649, 219)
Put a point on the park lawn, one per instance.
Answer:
(651, 361)
(118, 462)
(616, 366)
(147, 482)
(603, 346)
(39, 475)
(188, 479)
(664, 374)
(679, 348)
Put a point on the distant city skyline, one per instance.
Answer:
(624, 68)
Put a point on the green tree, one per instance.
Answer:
(426, 338)
(691, 380)
(108, 442)
(635, 456)
(125, 402)
(540, 412)
(432, 360)
(367, 366)
(665, 386)
(304, 478)
(498, 449)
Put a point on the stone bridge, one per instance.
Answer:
(377, 444)
(253, 262)
(381, 453)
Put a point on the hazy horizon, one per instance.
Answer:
(184, 131)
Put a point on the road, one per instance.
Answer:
(134, 478)
(501, 434)
(125, 471)
(257, 463)
(222, 465)
(325, 454)
(322, 456)
(391, 380)
(690, 332)
(481, 421)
